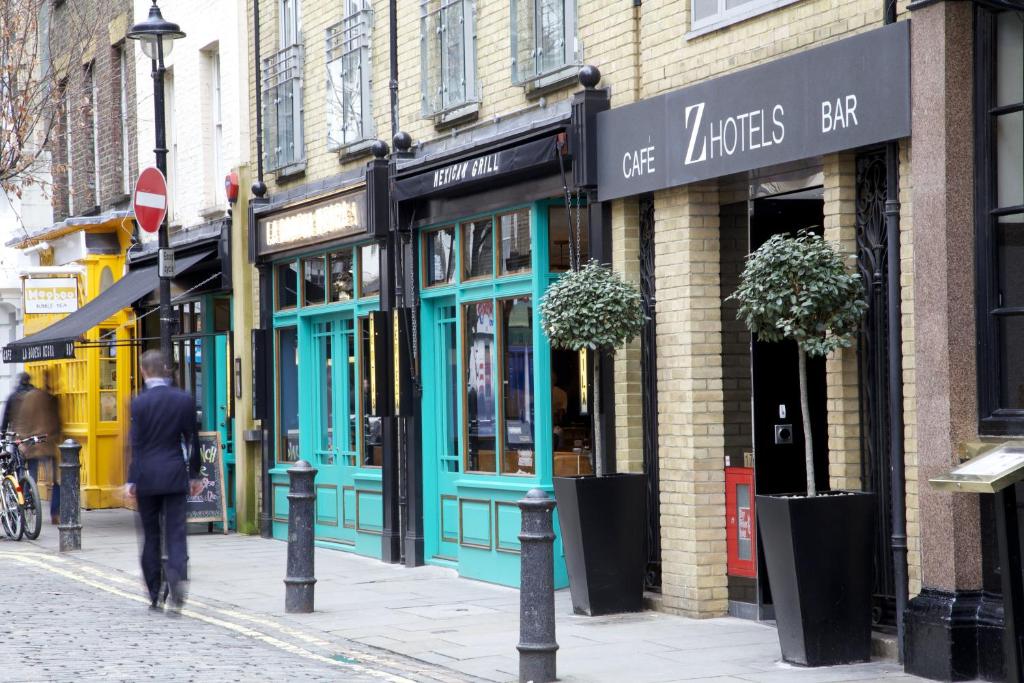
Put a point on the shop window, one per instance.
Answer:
(314, 280)
(325, 359)
(570, 412)
(108, 374)
(479, 400)
(342, 284)
(1000, 219)
(447, 55)
(439, 257)
(560, 232)
(478, 248)
(517, 415)
(543, 37)
(373, 438)
(351, 395)
(288, 395)
(514, 237)
(222, 315)
(708, 15)
(349, 113)
(369, 270)
(287, 285)
(449, 337)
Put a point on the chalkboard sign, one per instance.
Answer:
(211, 504)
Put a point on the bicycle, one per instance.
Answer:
(19, 486)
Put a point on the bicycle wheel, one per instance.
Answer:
(11, 516)
(33, 508)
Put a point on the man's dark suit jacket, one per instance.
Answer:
(163, 418)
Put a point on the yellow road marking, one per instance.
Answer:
(248, 632)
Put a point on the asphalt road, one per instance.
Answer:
(63, 620)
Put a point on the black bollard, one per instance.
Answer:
(70, 526)
(298, 584)
(537, 644)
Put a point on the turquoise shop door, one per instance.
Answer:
(441, 432)
(348, 499)
(220, 377)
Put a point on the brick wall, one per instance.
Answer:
(88, 42)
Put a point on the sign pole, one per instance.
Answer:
(166, 257)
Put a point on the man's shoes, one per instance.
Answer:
(155, 607)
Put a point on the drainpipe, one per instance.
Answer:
(897, 460)
(259, 188)
(393, 58)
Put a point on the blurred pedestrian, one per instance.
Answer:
(23, 383)
(164, 469)
(38, 413)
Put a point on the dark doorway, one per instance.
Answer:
(778, 426)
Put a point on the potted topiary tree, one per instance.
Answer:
(817, 544)
(601, 517)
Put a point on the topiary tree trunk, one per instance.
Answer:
(797, 287)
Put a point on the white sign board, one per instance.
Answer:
(51, 295)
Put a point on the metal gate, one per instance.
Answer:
(873, 362)
(649, 388)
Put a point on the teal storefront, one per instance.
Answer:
(501, 412)
(325, 282)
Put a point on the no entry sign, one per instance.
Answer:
(150, 202)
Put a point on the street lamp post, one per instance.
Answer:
(157, 36)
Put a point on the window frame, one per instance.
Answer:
(727, 17)
(993, 420)
(122, 59)
(472, 89)
(216, 124)
(570, 38)
(358, 18)
(94, 95)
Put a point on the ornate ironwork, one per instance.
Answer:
(873, 363)
(649, 387)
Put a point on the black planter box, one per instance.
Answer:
(818, 552)
(602, 521)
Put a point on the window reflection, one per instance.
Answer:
(479, 398)
(514, 229)
(373, 438)
(439, 261)
(519, 390)
(478, 248)
(314, 280)
(450, 364)
(341, 276)
(559, 235)
(326, 361)
(570, 418)
(287, 285)
(369, 277)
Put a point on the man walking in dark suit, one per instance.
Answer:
(164, 469)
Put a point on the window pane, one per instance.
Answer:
(551, 46)
(515, 241)
(453, 48)
(341, 276)
(1009, 58)
(1011, 352)
(287, 395)
(287, 285)
(559, 234)
(732, 4)
(351, 397)
(517, 366)
(570, 413)
(373, 442)
(369, 260)
(525, 18)
(325, 360)
(1010, 158)
(314, 280)
(703, 9)
(439, 261)
(450, 369)
(479, 398)
(477, 248)
(1010, 256)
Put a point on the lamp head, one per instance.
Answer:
(153, 32)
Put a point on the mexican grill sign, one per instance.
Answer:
(844, 95)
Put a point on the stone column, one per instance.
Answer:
(941, 625)
(690, 401)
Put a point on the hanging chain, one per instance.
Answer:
(579, 244)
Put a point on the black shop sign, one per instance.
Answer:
(844, 95)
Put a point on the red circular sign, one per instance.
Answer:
(150, 202)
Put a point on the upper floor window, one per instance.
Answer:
(448, 54)
(216, 124)
(288, 31)
(349, 114)
(122, 86)
(543, 37)
(94, 96)
(283, 109)
(69, 128)
(708, 15)
(999, 81)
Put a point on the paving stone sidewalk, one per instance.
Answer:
(466, 626)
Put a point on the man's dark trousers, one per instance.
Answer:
(172, 505)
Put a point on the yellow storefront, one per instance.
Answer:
(94, 385)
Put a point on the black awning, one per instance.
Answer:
(58, 340)
(471, 173)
